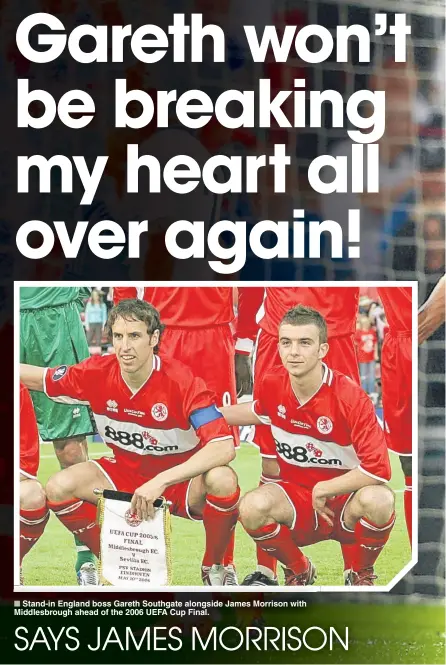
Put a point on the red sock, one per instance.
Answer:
(408, 506)
(228, 559)
(220, 516)
(348, 553)
(278, 537)
(263, 558)
(32, 525)
(80, 518)
(370, 541)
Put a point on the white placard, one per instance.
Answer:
(134, 553)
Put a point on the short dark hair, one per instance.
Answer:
(136, 310)
(303, 316)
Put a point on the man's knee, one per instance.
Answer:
(254, 509)
(61, 487)
(32, 495)
(377, 503)
(71, 451)
(221, 481)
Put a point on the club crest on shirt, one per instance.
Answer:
(281, 411)
(132, 518)
(59, 373)
(159, 411)
(324, 425)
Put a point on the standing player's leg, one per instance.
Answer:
(210, 353)
(396, 382)
(34, 514)
(48, 337)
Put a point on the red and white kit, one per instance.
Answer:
(198, 332)
(160, 426)
(29, 436)
(335, 431)
(396, 368)
(338, 306)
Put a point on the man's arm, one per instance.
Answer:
(370, 446)
(350, 482)
(213, 454)
(32, 376)
(432, 313)
(241, 414)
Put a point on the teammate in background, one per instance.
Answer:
(168, 437)
(396, 382)
(339, 307)
(34, 513)
(331, 457)
(51, 332)
(198, 333)
(367, 346)
(432, 314)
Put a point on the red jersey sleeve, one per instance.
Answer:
(29, 435)
(368, 438)
(260, 406)
(201, 411)
(249, 302)
(71, 384)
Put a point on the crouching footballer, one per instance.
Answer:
(331, 454)
(167, 437)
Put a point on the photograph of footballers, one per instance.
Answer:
(277, 421)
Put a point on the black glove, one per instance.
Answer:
(243, 374)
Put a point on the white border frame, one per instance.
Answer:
(203, 589)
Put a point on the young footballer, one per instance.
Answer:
(339, 307)
(330, 454)
(167, 436)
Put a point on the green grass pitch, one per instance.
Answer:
(51, 561)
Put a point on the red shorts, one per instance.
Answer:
(308, 528)
(340, 357)
(209, 352)
(126, 480)
(396, 381)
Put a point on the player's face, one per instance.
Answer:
(300, 349)
(133, 345)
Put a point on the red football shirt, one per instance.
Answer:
(185, 306)
(335, 431)
(397, 303)
(339, 307)
(161, 425)
(29, 435)
(365, 343)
